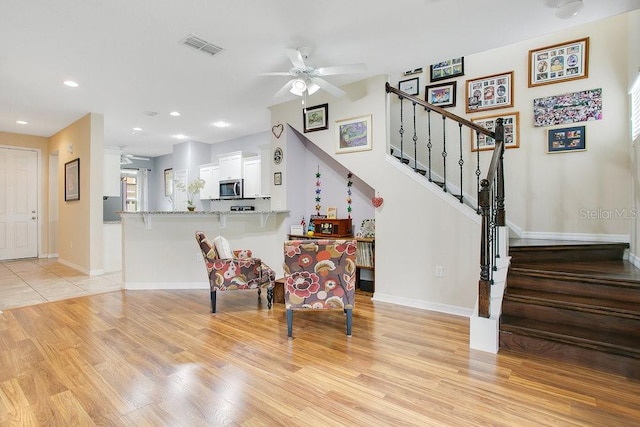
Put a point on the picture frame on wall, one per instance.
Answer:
(511, 121)
(316, 118)
(566, 139)
(277, 178)
(72, 180)
(447, 69)
(410, 86)
(489, 92)
(354, 134)
(559, 62)
(441, 95)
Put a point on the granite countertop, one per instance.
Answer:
(201, 212)
(111, 222)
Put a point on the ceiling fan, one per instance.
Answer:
(127, 159)
(307, 79)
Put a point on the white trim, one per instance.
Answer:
(425, 305)
(582, 237)
(166, 285)
(633, 259)
(74, 266)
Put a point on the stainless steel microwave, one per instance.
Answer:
(232, 189)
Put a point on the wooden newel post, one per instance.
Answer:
(500, 211)
(484, 285)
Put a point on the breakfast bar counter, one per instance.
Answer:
(159, 250)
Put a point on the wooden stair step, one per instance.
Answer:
(602, 340)
(626, 309)
(570, 316)
(544, 251)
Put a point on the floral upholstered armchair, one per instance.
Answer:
(233, 270)
(319, 274)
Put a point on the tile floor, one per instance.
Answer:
(33, 281)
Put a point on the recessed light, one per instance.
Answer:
(221, 124)
(70, 83)
(174, 114)
(180, 136)
(137, 129)
(21, 122)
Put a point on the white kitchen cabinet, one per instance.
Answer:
(111, 173)
(231, 164)
(252, 177)
(265, 170)
(211, 175)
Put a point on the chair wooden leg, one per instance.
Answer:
(269, 297)
(213, 301)
(289, 322)
(349, 318)
(259, 292)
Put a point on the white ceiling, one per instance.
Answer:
(126, 56)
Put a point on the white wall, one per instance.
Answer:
(633, 71)
(576, 195)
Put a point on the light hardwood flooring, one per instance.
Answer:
(32, 281)
(160, 358)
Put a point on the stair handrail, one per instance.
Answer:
(490, 198)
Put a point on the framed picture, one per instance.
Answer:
(566, 139)
(72, 180)
(511, 131)
(332, 213)
(312, 218)
(353, 134)
(447, 69)
(168, 182)
(568, 108)
(316, 118)
(441, 95)
(490, 92)
(559, 62)
(277, 178)
(297, 230)
(410, 86)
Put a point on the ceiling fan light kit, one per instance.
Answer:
(566, 9)
(307, 80)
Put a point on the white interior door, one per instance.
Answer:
(18, 203)
(179, 197)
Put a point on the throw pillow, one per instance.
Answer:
(223, 248)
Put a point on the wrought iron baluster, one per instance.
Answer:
(444, 153)
(415, 140)
(460, 161)
(429, 144)
(478, 172)
(401, 129)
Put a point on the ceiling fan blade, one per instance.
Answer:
(312, 87)
(341, 69)
(277, 73)
(333, 90)
(296, 58)
(284, 89)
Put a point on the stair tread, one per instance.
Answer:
(605, 305)
(590, 337)
(619, 271)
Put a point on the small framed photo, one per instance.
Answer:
(511, 131)
(559, 62)
(168, 182)
(441, 95)
(277, 178)
(353, 134)
(332, 212)
(566, 139)
(316, 118)
(297, 230)
(72, 180)
(447, 69)
(410, 86)
(489, 92)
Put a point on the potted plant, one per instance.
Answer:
(191, 189)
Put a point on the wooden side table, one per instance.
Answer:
(278, 291)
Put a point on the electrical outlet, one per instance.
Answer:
(439, 271)
(198, 257)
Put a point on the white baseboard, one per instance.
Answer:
(582, 237)
(425, 305)
(74, 266)
(633, 259)
(166, 286)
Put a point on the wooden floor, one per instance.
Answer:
(160, 358)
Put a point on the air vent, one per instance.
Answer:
(201, 44)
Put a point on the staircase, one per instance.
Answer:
(575, 302)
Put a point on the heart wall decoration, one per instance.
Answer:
(377, 201)
(277, 130)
